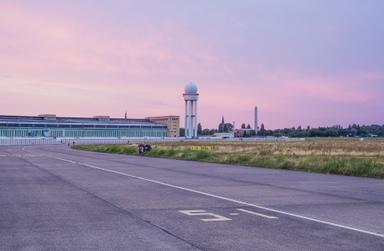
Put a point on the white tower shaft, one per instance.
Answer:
(186, 118)
(191, 118)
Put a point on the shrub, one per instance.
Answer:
(202, 155)
(130, 150)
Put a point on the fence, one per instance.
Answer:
(28, 141)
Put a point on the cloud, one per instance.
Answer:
(85, 63)
(55, 46)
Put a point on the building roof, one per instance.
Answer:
(162, 117)
(99, 121)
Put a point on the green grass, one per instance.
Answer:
(333, 158)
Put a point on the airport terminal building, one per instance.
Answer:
(172, 122)
(74, 127)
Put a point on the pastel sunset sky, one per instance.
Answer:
(303, 62)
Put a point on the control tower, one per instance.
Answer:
(190, 96)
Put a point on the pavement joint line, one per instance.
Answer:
(255, 213)
(228, 199)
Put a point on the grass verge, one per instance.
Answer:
(348, 157)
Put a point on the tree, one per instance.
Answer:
(199, 129)
(262, 130)
(243, 126)
(228, 127)
(213, 131)
(248, 126)
(333, 131)
(206, 132)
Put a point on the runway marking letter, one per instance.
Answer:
(214, 217)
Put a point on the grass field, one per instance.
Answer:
(335, 156)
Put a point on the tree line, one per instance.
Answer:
(354, 130)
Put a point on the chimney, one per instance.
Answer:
(256, 126)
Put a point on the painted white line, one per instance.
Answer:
(255, 213)
(236, 201)
(234, 214)
(65, 160)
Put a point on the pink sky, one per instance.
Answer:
(85, 59)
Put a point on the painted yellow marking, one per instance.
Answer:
(203, 148)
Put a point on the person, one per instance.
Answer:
(141, 149)
(148, 148)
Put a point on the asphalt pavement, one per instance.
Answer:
(56, 198)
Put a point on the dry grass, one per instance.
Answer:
(352, 147)
(337, 156)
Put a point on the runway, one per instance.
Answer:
(56, 198)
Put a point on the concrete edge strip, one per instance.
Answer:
(225, 198)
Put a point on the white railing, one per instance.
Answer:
(28, 141)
